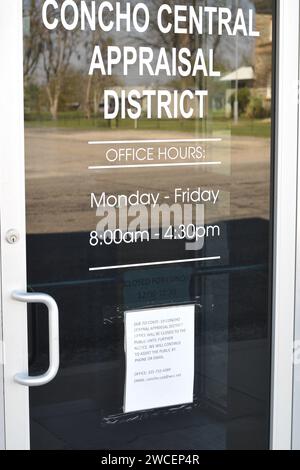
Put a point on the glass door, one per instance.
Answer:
(149, 182)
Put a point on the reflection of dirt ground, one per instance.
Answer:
(58, 183)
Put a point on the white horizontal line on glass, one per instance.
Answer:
(158, 263)
(163, 141)
(151, 165)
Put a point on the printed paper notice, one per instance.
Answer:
(159, 348)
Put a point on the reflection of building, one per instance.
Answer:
(244, 76)
(257, 77)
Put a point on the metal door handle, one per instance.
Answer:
(29, 297)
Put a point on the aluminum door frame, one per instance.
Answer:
(285, 229)
(296, 376)
(12, 216)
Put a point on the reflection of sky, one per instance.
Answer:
(224, 53)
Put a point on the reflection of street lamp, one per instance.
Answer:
(199, 83)
(197, 78)
(236, 100)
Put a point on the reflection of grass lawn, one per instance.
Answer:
(245, 127)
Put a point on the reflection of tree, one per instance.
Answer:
(47, 51)
(53, 58)
(57, 51)
(158, 39)
(58, 48)
(95, 84)
(263, 6)
(223, 45)
(32, 39)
